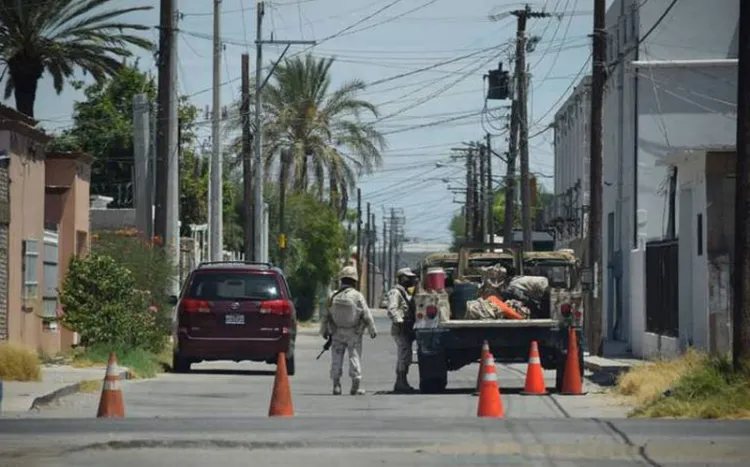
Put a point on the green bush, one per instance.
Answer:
(101, 303)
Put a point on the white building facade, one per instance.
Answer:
(566, 215)
(669, 104)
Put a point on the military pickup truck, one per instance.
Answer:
(448, 341)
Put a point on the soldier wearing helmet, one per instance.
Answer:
(347, 319)
(401, 313)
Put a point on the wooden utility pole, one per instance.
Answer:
(247, 157)
(476, 202)
(469, 204)
(741, 315)
(391, 240)
(359, 236)
(371, 263)
(490, 191)
(522, 82)
(510, 175)
(482, 208)
(283, 241)
(367, 243)
(164, 144)
(593, 314)
(383, 261)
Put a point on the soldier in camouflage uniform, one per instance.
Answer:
(347, 319)
(401, 313)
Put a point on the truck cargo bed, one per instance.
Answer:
(499, 323)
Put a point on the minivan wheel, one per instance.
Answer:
(180, 364)
(290, 365)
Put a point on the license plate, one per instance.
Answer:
(234, 319)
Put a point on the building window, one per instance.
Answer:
(50, 268)
(699, 234)
(30, 254)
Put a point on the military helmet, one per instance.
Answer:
(348, 272)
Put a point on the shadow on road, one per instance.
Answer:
(218, 371)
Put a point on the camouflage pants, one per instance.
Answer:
(344, 341)
(403, 351)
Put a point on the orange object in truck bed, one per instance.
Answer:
(509, 312)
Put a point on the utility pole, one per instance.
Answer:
(282, 208)
(482, 205)
(383, 262)
(741, 314)
(247, 167)
(366, 262)
(371, 263)
(359, 236)
(476, 202)
(391, 261)
(215, 222)
(469, 204)
(522, 116)
(168, 180)
(165, 144)
(490, 191)
(259, 224)
(593, 326)
(510, 175)
(141, 137)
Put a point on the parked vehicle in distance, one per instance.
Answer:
(234, 310)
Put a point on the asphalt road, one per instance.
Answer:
(218, 414)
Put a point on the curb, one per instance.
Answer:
(65, 391)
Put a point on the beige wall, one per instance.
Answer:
(70, 210)
(27, 180)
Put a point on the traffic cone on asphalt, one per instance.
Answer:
(534, 375)
(490, 403)
(572, 384)
(111, 404)
(281, 398)
(485, 353)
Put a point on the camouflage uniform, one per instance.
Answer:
(347, 319)
(400, 313)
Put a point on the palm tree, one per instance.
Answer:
(321, 131)
(60, 36)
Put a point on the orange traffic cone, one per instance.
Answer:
(485, 353)
(490, 403)
(534, 375)
(281, 398)
(111, 404)
(572, 384)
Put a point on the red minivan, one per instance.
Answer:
(234, 310)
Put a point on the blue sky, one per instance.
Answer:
(426, 113)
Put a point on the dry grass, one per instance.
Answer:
(19, 363)
(692, 386)
(90, 386)
(646, 382)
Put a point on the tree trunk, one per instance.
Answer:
(25, 80)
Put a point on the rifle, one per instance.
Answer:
(326, 346)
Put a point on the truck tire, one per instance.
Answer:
(433, 385)
(433, 374)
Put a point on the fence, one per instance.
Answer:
(662, 290)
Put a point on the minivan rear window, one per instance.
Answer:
(234, 286)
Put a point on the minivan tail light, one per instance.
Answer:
(195, 306)
(431, 311)
(276, 307)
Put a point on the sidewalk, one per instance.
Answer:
(57, 381)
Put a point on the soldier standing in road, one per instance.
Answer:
(347, 319)
(401, 313)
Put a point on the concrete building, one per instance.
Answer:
(43, 222)
(669, 103)
(565, 215)
(669, 123)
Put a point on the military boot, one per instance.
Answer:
(356, 390)
(336, 387)
(402, 385)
